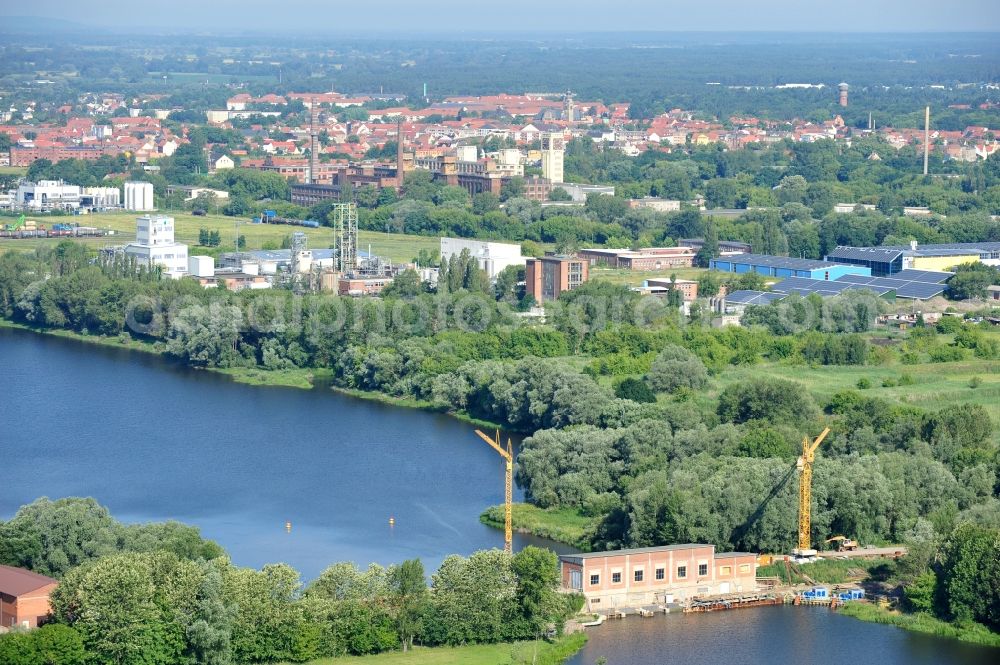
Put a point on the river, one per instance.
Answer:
(153, 440)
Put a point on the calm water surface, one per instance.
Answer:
(770, 636)
(155, 441)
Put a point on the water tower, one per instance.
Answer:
(843, 94)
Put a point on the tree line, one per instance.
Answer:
(159, 593)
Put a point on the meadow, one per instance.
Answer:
(397, 247)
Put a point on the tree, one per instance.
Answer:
(710, 249)
(537, 572)
(708, 284)
(675, 367)
(131, 607)
(970, 575)
(406, 284)
(485, 202)
(512, 189)
(766, 399)
(51, 644)
(636, 390)
(408, 589)
(971, 279)
(559, 194)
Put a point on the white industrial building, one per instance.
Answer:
(139, 196)
(101, 197)
(154, 244)
(493, 257)
(47, 195)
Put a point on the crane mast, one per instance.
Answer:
(804, 465)
(508, 456)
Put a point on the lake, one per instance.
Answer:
(153, 440)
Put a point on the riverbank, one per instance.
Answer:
(306, 378)
(564, 525)
(504, 653)
(973, 633)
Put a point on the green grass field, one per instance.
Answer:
(396, 246)
(935, 385)
(566, 525)
(13, 170)
(518, 653)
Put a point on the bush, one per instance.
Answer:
(772, 400)
(675, 368)
(635, 390)
(864, 383)
(946, 354)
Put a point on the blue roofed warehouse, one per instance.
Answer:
(784, 266)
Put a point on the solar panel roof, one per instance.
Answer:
(777, 261)
(920, 290)
(753, 297)
(885, 254)
(948, 247)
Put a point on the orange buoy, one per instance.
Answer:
(392, 521)
(288, 527)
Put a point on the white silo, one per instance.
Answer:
(139, 196)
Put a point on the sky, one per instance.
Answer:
(335, 16)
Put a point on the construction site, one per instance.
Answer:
(693, 577)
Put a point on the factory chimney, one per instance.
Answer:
(313, 141)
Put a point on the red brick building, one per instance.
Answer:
(547, 277)
(656, 575)
(24, 597)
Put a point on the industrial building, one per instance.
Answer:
(493, 257)
(687, 287)
(882, 261)
(47, 195)
(783, 266)
(646, 258)
(155, 246)
(139, 196)
(100, 198)
(549, 276)
(945, 256)
(24, 597)
(656, 575)
(726, 247)
(910, 284)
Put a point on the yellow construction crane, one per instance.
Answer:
(508, 455)
(805, 467)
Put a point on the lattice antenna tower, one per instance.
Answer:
(298, 246)
(345, 230)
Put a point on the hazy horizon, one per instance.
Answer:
(453, 16)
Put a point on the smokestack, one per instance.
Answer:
(399, 153)
(313, 141)
(843, 94)
(927, 136)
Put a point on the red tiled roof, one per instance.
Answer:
(18, 581)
